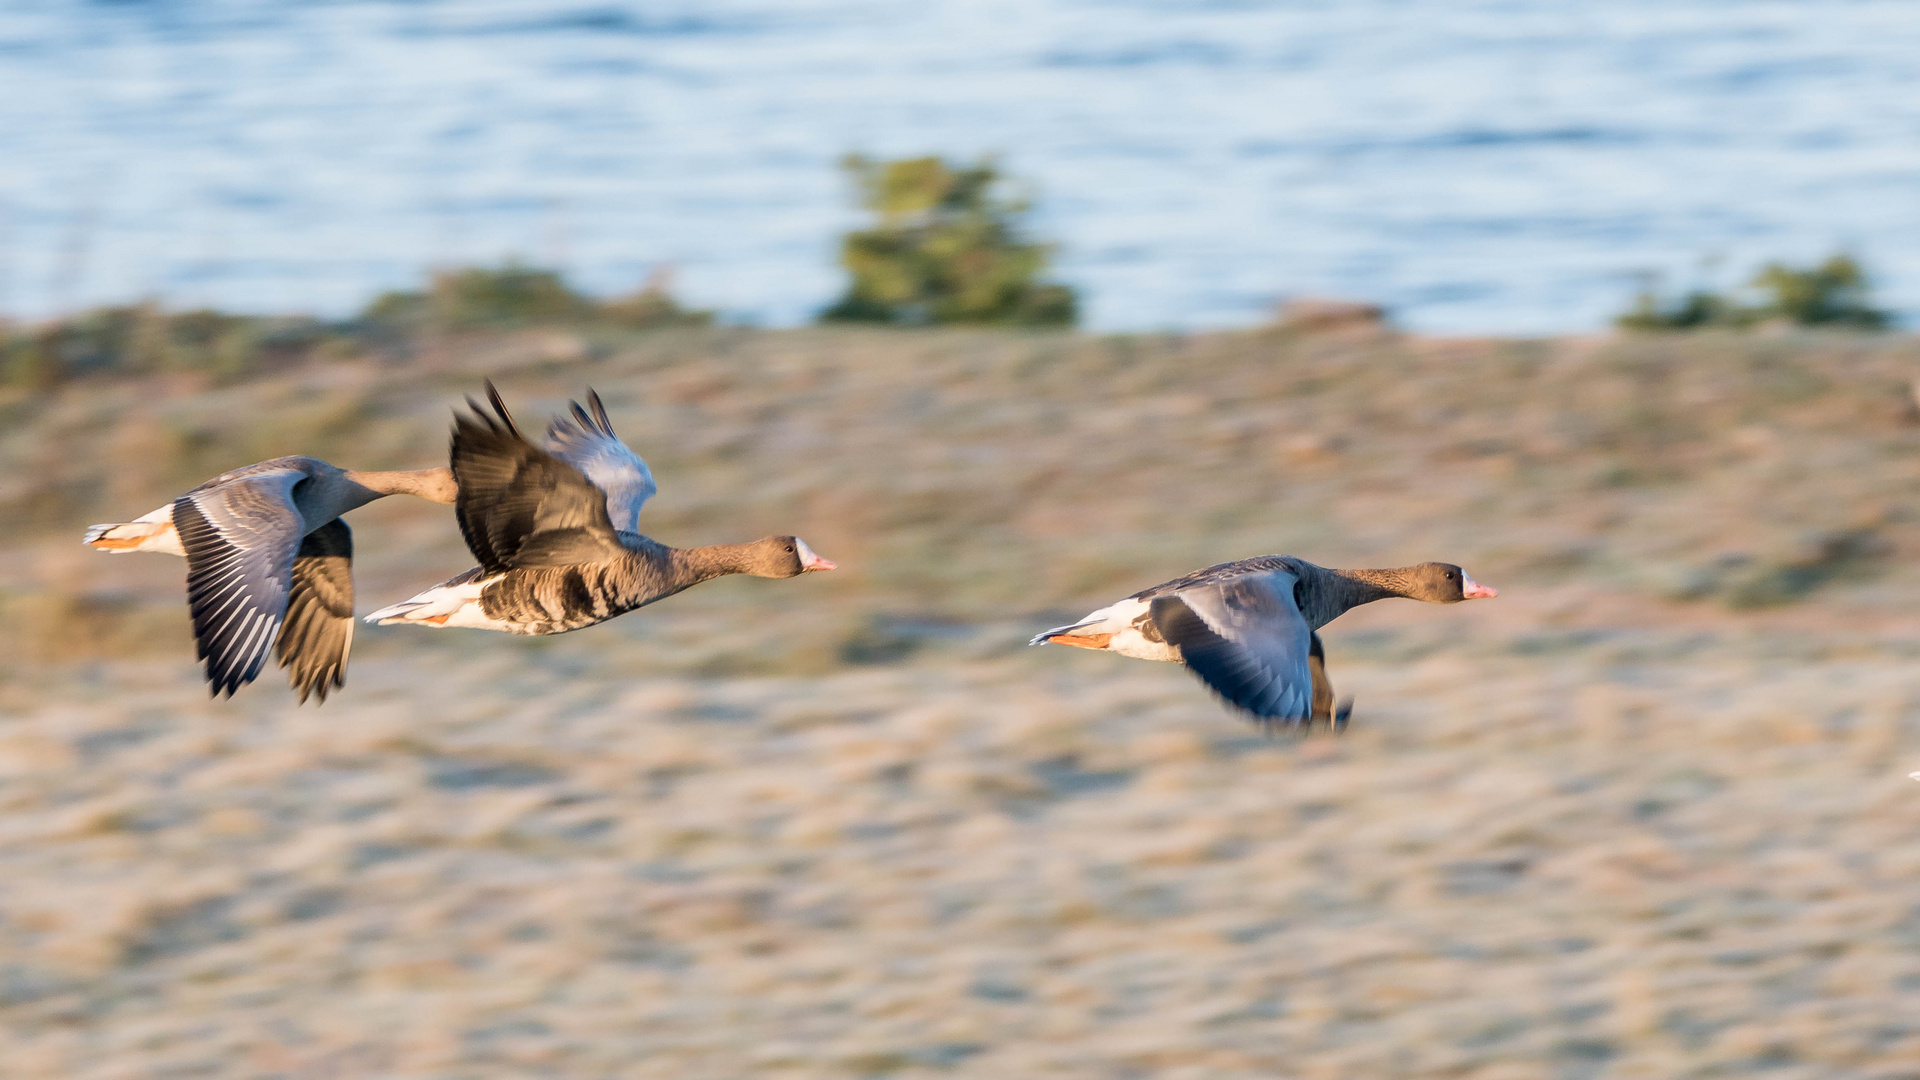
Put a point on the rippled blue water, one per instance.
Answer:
(1476, 165)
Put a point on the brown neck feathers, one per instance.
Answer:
(1366, 586)
(713, 560)
(435, 484)
(1332, 593)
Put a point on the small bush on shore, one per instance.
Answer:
(1834, 293)
(947, 248)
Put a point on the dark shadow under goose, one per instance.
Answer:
(555, 530)
(1249, 629)
(269, 563)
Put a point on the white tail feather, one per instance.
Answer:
(153, 532)
(452, 603)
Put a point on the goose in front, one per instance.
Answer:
(1248, 629)
(270, 563)
(555, 529)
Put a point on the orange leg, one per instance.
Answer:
(1084, 641)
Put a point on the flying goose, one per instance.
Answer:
(269, 563)
(556, 532)
(1247, 628)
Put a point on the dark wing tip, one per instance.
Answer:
(474, 419)
(318, 684)
(600, 411)
(500, 407)
(587, 426)
(591, 418)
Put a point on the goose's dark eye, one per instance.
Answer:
(789, 549)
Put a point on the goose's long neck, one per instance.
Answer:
(1340, 591)
(436, 484)
(691, 566)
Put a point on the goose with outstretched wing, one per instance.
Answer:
(269, 563)
(1250, 629)
(554, 529)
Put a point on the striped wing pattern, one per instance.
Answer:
(318, 634)
(1246, 639)
(240, 539)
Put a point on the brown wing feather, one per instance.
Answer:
(318, 633)
(511, 491)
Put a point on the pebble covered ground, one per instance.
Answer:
(1628, 820)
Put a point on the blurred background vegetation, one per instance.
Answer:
(1833, 293)
(947, 246)
(147, 338)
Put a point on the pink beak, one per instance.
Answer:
(810, 561)
(1473, 590)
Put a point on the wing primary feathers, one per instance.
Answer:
(582, 436)
(512, 492)
(500, 406)
(592, 417)
(237, 607)
(318, 633)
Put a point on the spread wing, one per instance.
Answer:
(586, 441)
(519, 505)
(240, 536)
(1246, 639)
(319, 629)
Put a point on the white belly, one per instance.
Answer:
(1131, 642)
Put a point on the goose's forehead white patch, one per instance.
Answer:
(806, 553)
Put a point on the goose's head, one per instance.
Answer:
(784, 557)
(1445, 583)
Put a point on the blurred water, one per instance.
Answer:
(1478, 166)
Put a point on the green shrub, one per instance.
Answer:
(483, 298)
(946, 248)
(512, 295)
(1695, 309)
(1834, 293)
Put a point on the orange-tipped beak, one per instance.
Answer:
(1473, 590)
